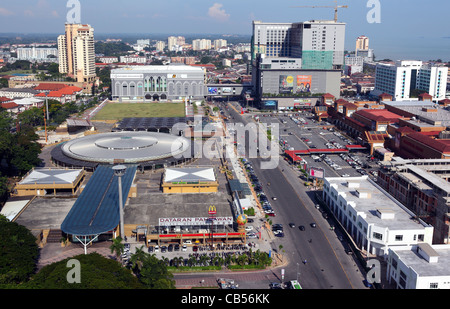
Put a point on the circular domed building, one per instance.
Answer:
(146, 149)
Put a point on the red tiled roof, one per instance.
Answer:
(67, 90)
(9, 105)
(441, 145)
(379, 115)
(4, 99)
(405, 129)
(425, 95)
(52, 94)
(50, 87)
(70, 90)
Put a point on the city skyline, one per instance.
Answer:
(395, 37)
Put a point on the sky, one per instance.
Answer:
(407, 29)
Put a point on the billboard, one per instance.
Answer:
(316, 172)
(269, 104)
(303, 84)
(212, 90)
(286, 84)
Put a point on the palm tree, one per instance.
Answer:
(204, 260)
(117, 247)
(137, 259)
(165, 260)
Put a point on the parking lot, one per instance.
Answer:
(300, 131)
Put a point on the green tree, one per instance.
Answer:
(97, 272)
(117, 247)
(154, 274)
(4, 190)
(25, 150)
(33, 117)
(18, 253)
(137, 259)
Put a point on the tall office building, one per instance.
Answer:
(294, 63)
(160, 45)
(171, 42)
(401, 78)
(362, 43)
(77, 52)
(320, 43)
(220, 43)
(202, 44)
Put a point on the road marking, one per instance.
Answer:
(301, 201)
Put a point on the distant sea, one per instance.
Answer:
(419, 48)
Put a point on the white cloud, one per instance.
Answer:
(5, 12)
(218, 13)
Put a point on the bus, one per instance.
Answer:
(294, 284)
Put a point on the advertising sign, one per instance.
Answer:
(303, 83)
(270, 104)
(316, 172)
(212, 90)
(195, 221)
(286, 84)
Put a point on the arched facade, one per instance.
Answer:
(158, 82)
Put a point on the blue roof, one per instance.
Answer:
(96, 211)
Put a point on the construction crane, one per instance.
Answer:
(336, 7)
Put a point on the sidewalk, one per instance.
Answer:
(53, 252)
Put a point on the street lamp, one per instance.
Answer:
(119, 171)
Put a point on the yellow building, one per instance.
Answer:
(45, 181)
(190, 180)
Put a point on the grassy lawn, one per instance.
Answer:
(16, 72)
(118, 111)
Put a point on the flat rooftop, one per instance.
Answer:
(423, 268)
(157, 68)
(441, 116)
(378, 200)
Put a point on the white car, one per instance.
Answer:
(187, 242)
(156, 248)
(252, 235)
(249, 228)
(184, 248)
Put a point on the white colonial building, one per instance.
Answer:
(158, 83)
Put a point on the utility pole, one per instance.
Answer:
(119, 171)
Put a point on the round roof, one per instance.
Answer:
(127, 147)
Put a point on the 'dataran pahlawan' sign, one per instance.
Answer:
(195, 221)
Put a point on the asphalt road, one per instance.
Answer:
(323, 269)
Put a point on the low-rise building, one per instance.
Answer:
(190, 180)
(420, 266)
(423, 187)
(373, 218)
